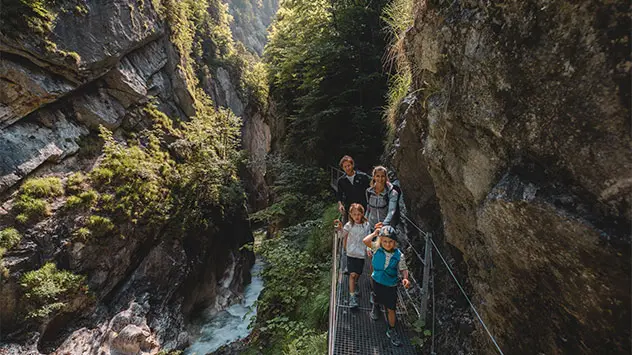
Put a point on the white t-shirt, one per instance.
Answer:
(351, 178)
(357, 232)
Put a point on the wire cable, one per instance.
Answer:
(460, 287)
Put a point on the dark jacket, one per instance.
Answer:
(348, 193)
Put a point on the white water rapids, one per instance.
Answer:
(231, 324)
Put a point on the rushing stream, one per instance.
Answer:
(231, 324)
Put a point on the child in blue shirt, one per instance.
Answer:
(387, 261)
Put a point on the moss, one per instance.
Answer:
(9, 237)
(48, 291)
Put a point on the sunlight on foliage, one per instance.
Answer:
(48, 291)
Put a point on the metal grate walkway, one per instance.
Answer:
(355, 332)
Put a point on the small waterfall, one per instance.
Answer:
(231, 324)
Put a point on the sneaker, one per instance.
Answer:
(392, 334)
(375, 312)
(353, 302)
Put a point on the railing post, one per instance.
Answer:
(332, 295)
(426, 280)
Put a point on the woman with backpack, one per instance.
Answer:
(382, 199)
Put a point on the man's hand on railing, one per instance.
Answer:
(341, 208)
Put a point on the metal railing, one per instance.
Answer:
(333, 296)
(427, 263)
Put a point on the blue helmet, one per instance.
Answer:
(388, 231)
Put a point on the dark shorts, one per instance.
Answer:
(355, 265)
(385, 295)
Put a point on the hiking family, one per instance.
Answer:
(370, 206)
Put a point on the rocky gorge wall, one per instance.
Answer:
(65, 70)
(514, 147)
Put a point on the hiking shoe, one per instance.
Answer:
(353, 302)
(392, 335)
(375, 312)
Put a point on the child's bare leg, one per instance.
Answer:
(391, 317)
(352, 281)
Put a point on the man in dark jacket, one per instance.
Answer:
(351, 186)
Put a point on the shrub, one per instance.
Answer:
(43, 187)
(3, 271)
(137, 177)
(293, 319)
(9, 237)
(48, 291)
(85, 199)
(76, 183)
(308, 345)
(82, 234)
(100, 226)
(30, 209)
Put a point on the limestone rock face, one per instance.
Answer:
(108, 65)
(251, 20)
(521, 127)
(27, 145)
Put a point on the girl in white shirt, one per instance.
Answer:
(353, 232)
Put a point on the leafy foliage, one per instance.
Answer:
(325, 66)
(293, 308)
(137, 177)
(49, 291)
(31, 204)
(299, 192)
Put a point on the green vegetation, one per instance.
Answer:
(294, 306)
(86, 199)
(49, 291)
(398, 16)
(326, 76)
(38, 17)
(99, 225)
(31, 205)
(137, 177)
(9, 237)
(4, 272)
(299, 193)
(42, 187)
(76, 183)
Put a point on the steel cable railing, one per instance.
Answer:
(336, 173)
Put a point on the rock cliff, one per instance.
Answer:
(251, 20)
(514, 147)
(66, 69)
